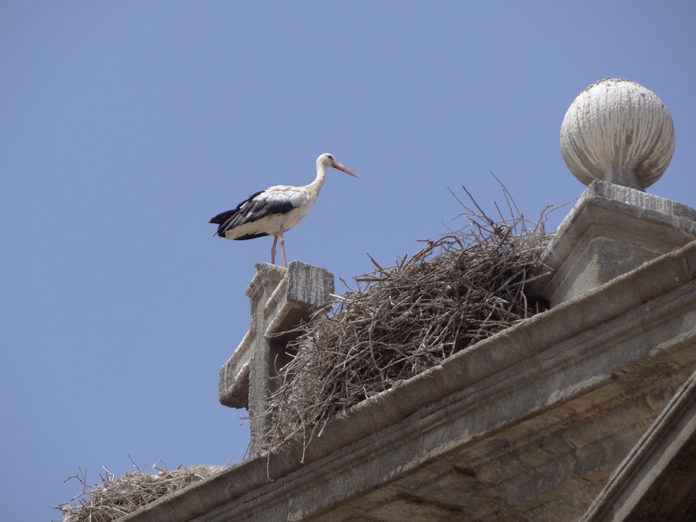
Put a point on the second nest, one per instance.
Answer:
(402, 320)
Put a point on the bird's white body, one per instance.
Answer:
(274, 224)
(274, 211)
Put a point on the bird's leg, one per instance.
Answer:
(282, 247)
(273, 249)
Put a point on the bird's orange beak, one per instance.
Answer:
(343, 168)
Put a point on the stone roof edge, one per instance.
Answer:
(649, 281)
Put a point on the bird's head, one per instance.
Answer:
(327, 160)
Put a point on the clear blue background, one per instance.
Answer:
(125, 125)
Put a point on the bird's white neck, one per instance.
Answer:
(315, 186)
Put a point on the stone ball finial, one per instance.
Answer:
(617, 131)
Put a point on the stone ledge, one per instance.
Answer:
(638, 322)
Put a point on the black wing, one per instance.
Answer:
(251, 209)
(220, 218)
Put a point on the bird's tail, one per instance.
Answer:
(222, 217)
(221, 220)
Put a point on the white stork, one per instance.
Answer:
(274, 211)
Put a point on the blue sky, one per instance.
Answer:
(125, 125)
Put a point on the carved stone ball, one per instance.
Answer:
(617, 131)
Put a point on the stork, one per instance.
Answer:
(274, 211)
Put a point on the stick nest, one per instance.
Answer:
(404, 319)
(115, 497)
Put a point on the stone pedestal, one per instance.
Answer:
(611, 230)
(280, 300)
